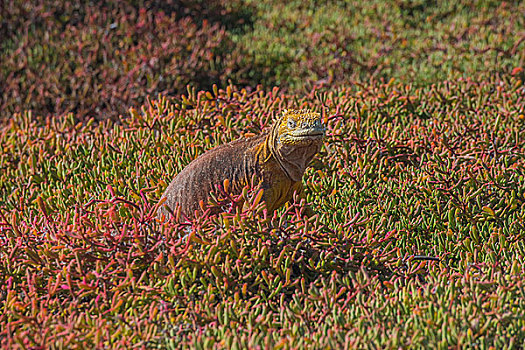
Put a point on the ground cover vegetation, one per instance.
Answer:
(419, 188)
(97, 59)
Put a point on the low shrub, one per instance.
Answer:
(418, 241)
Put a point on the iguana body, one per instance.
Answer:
(276, 159)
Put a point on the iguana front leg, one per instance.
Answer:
(298, 189)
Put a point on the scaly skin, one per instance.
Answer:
(276, 159)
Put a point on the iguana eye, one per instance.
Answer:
(291, 123)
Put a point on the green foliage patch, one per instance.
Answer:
(418, 241)
(99, 58)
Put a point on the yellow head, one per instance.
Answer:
(300, 127)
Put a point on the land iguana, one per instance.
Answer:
(276, 159)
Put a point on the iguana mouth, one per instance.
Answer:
(307, 136)
(312, 133)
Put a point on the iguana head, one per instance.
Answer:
(300, 128)
(295, 139)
